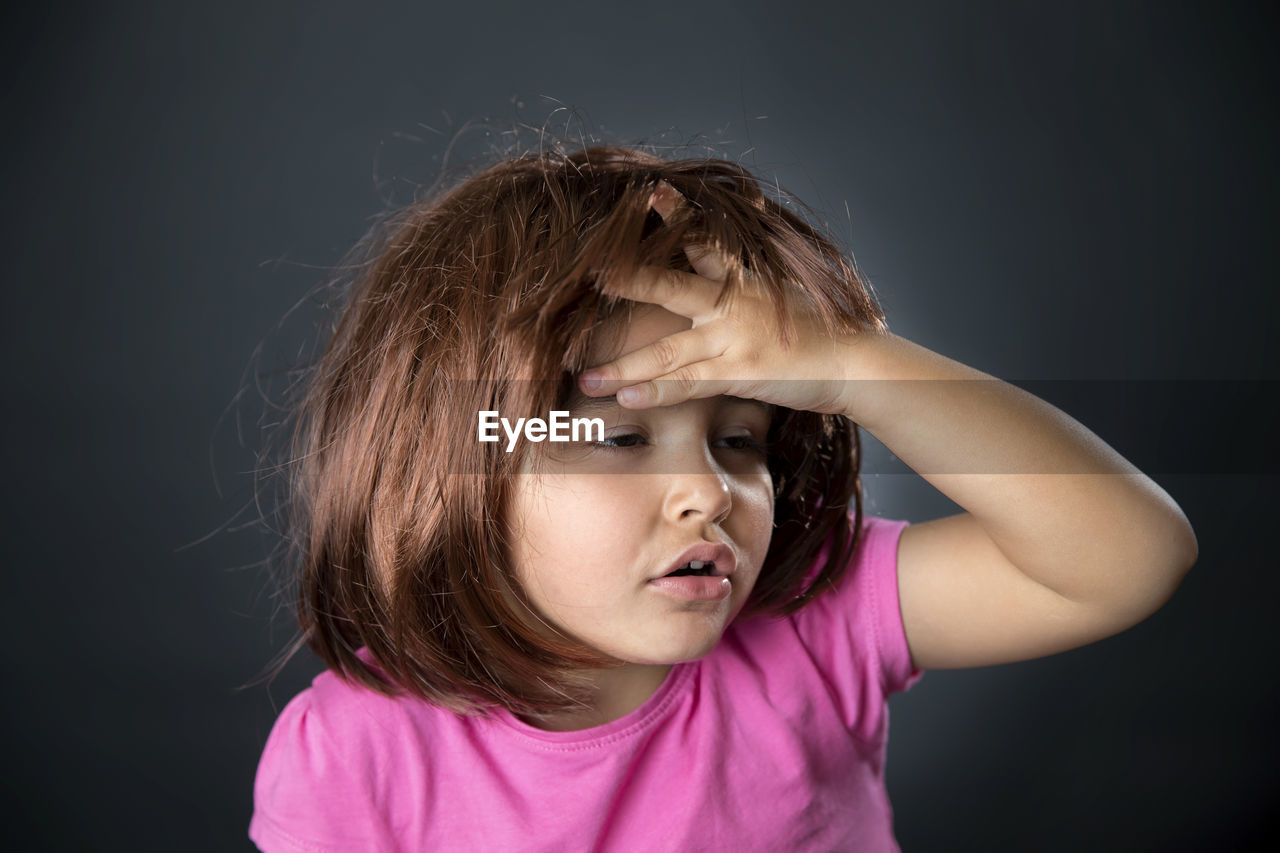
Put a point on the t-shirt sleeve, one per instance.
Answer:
(855, 633)
(309, 795)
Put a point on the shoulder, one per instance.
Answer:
(334, 715)
(869, 580)
(333, 765)
(859, 620)
(339, 726)
(845, 649)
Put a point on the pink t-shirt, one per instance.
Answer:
(774, 741)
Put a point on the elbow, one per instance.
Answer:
(1191, 548)
(1187, 553)
(1181, 550)
(1173, 556)
(1171, 549)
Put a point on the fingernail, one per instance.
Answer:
(591, 381)
(629, 395)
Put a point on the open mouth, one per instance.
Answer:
(698, 568)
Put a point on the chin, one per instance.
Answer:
(691, 647)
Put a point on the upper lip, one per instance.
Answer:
(713, 552)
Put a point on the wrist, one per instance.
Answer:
(865, 358)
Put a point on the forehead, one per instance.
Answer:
(629, 330)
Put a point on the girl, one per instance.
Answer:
(675, 629)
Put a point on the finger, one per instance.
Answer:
(666, 200)
(680, 292)
(662, 357)
(688, 383)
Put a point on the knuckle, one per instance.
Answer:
(684, 380)
(665, 354)
(651, 280)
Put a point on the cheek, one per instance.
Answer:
(754, 513)
(759, 495)
(561, 532)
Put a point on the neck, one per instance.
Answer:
(617, 692)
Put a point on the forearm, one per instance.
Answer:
(1062, 506)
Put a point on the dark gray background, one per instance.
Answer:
(1081, 191)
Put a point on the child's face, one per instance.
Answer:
(595, 526)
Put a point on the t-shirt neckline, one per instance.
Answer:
(649, 712)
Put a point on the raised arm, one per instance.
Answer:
(1063, 542)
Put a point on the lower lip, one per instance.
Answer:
(694, 587)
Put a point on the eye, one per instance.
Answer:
(743, 443)
(624, 441)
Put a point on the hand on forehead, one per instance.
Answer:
(689, 338)
(633, 327)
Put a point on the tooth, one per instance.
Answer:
(696, 564)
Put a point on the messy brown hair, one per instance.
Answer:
(484, 295)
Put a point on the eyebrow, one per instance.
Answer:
(581, 403)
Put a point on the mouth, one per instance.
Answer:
(693, 568)
(707, 559)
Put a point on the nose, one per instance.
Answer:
(699, 492)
